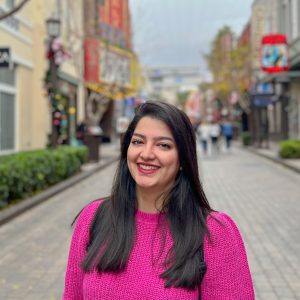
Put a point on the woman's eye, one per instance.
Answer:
(136, 142)
(165, 146)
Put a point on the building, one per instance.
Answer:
(26, 117)
(282, 112)
(289, 24)
(111, 66)
(166, 82)
(23, 107)
(269, 92)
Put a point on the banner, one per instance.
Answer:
(116, 14)
(274, 53)
(91, 60)
(115, 66)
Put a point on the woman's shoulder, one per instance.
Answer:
(86, 215)
(222, 228)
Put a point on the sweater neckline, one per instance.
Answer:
(146, 217)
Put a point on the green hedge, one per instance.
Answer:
(289, 149)
(24, 173)
(246, 138)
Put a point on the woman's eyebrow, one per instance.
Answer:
(158, 138)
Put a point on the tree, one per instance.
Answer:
(13, 10)
(229, 65)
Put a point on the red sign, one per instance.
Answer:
(104, 12)
(274, 53)
(91, 59)
(116, 14)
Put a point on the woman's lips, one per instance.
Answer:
(147, 168)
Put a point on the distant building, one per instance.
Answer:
(165, 82)
(281, 112)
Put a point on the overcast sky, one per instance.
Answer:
(179, 32)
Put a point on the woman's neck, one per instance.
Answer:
(149, 201)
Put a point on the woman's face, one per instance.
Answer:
(152, 156)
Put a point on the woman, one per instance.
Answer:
(146, 241)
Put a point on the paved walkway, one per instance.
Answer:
(262, 197)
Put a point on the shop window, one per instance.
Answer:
(7, 121)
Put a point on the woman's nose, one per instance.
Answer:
(147, 152)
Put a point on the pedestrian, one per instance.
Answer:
(156, 236)
(203, 132)
(227, 131)
(215, 131)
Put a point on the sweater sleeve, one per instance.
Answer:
(74, 274)
(228, 275)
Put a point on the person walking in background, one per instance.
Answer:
(215, 131)
(227, 131)
(156, 236)
(203, 132)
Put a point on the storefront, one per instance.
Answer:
(110, 74)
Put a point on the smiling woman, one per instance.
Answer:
(156, 236)
(153, 162)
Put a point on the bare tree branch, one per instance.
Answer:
(14, 10)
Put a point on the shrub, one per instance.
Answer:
(22, 174)
(289, 149)
(246, 138)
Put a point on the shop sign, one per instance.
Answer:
(4, 57)
(91, 59)
(114, 67)
(274, 53)
(113, 21)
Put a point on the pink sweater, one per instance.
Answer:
(227, 276)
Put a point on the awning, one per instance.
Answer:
(114, 92)
(261, 100)
(281, 77)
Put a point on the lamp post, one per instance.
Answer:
(53, 30)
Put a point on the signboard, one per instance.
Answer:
(274, 53)
(4, 57)
(116, 14)
(114, 67)
(113, 21)
(91, 59)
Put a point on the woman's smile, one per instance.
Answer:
(147, 168)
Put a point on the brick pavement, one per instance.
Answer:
(261, 196)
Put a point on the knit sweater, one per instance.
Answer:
(227, 276)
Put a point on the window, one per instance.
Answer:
(10, 4)
(298, 17)
(7, 109)
(7, 76)
(7, 121)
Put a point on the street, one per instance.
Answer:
(262, 197)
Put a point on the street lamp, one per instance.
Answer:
(53, 29)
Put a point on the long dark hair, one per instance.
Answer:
(112, 231)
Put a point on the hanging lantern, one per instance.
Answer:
(274, 53)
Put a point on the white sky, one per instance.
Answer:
(179, 32)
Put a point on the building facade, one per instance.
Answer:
(25, 106)
(111, 66)
(23, 109)
(165, 82)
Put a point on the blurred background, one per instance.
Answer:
(71, 75)
(89, 63)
